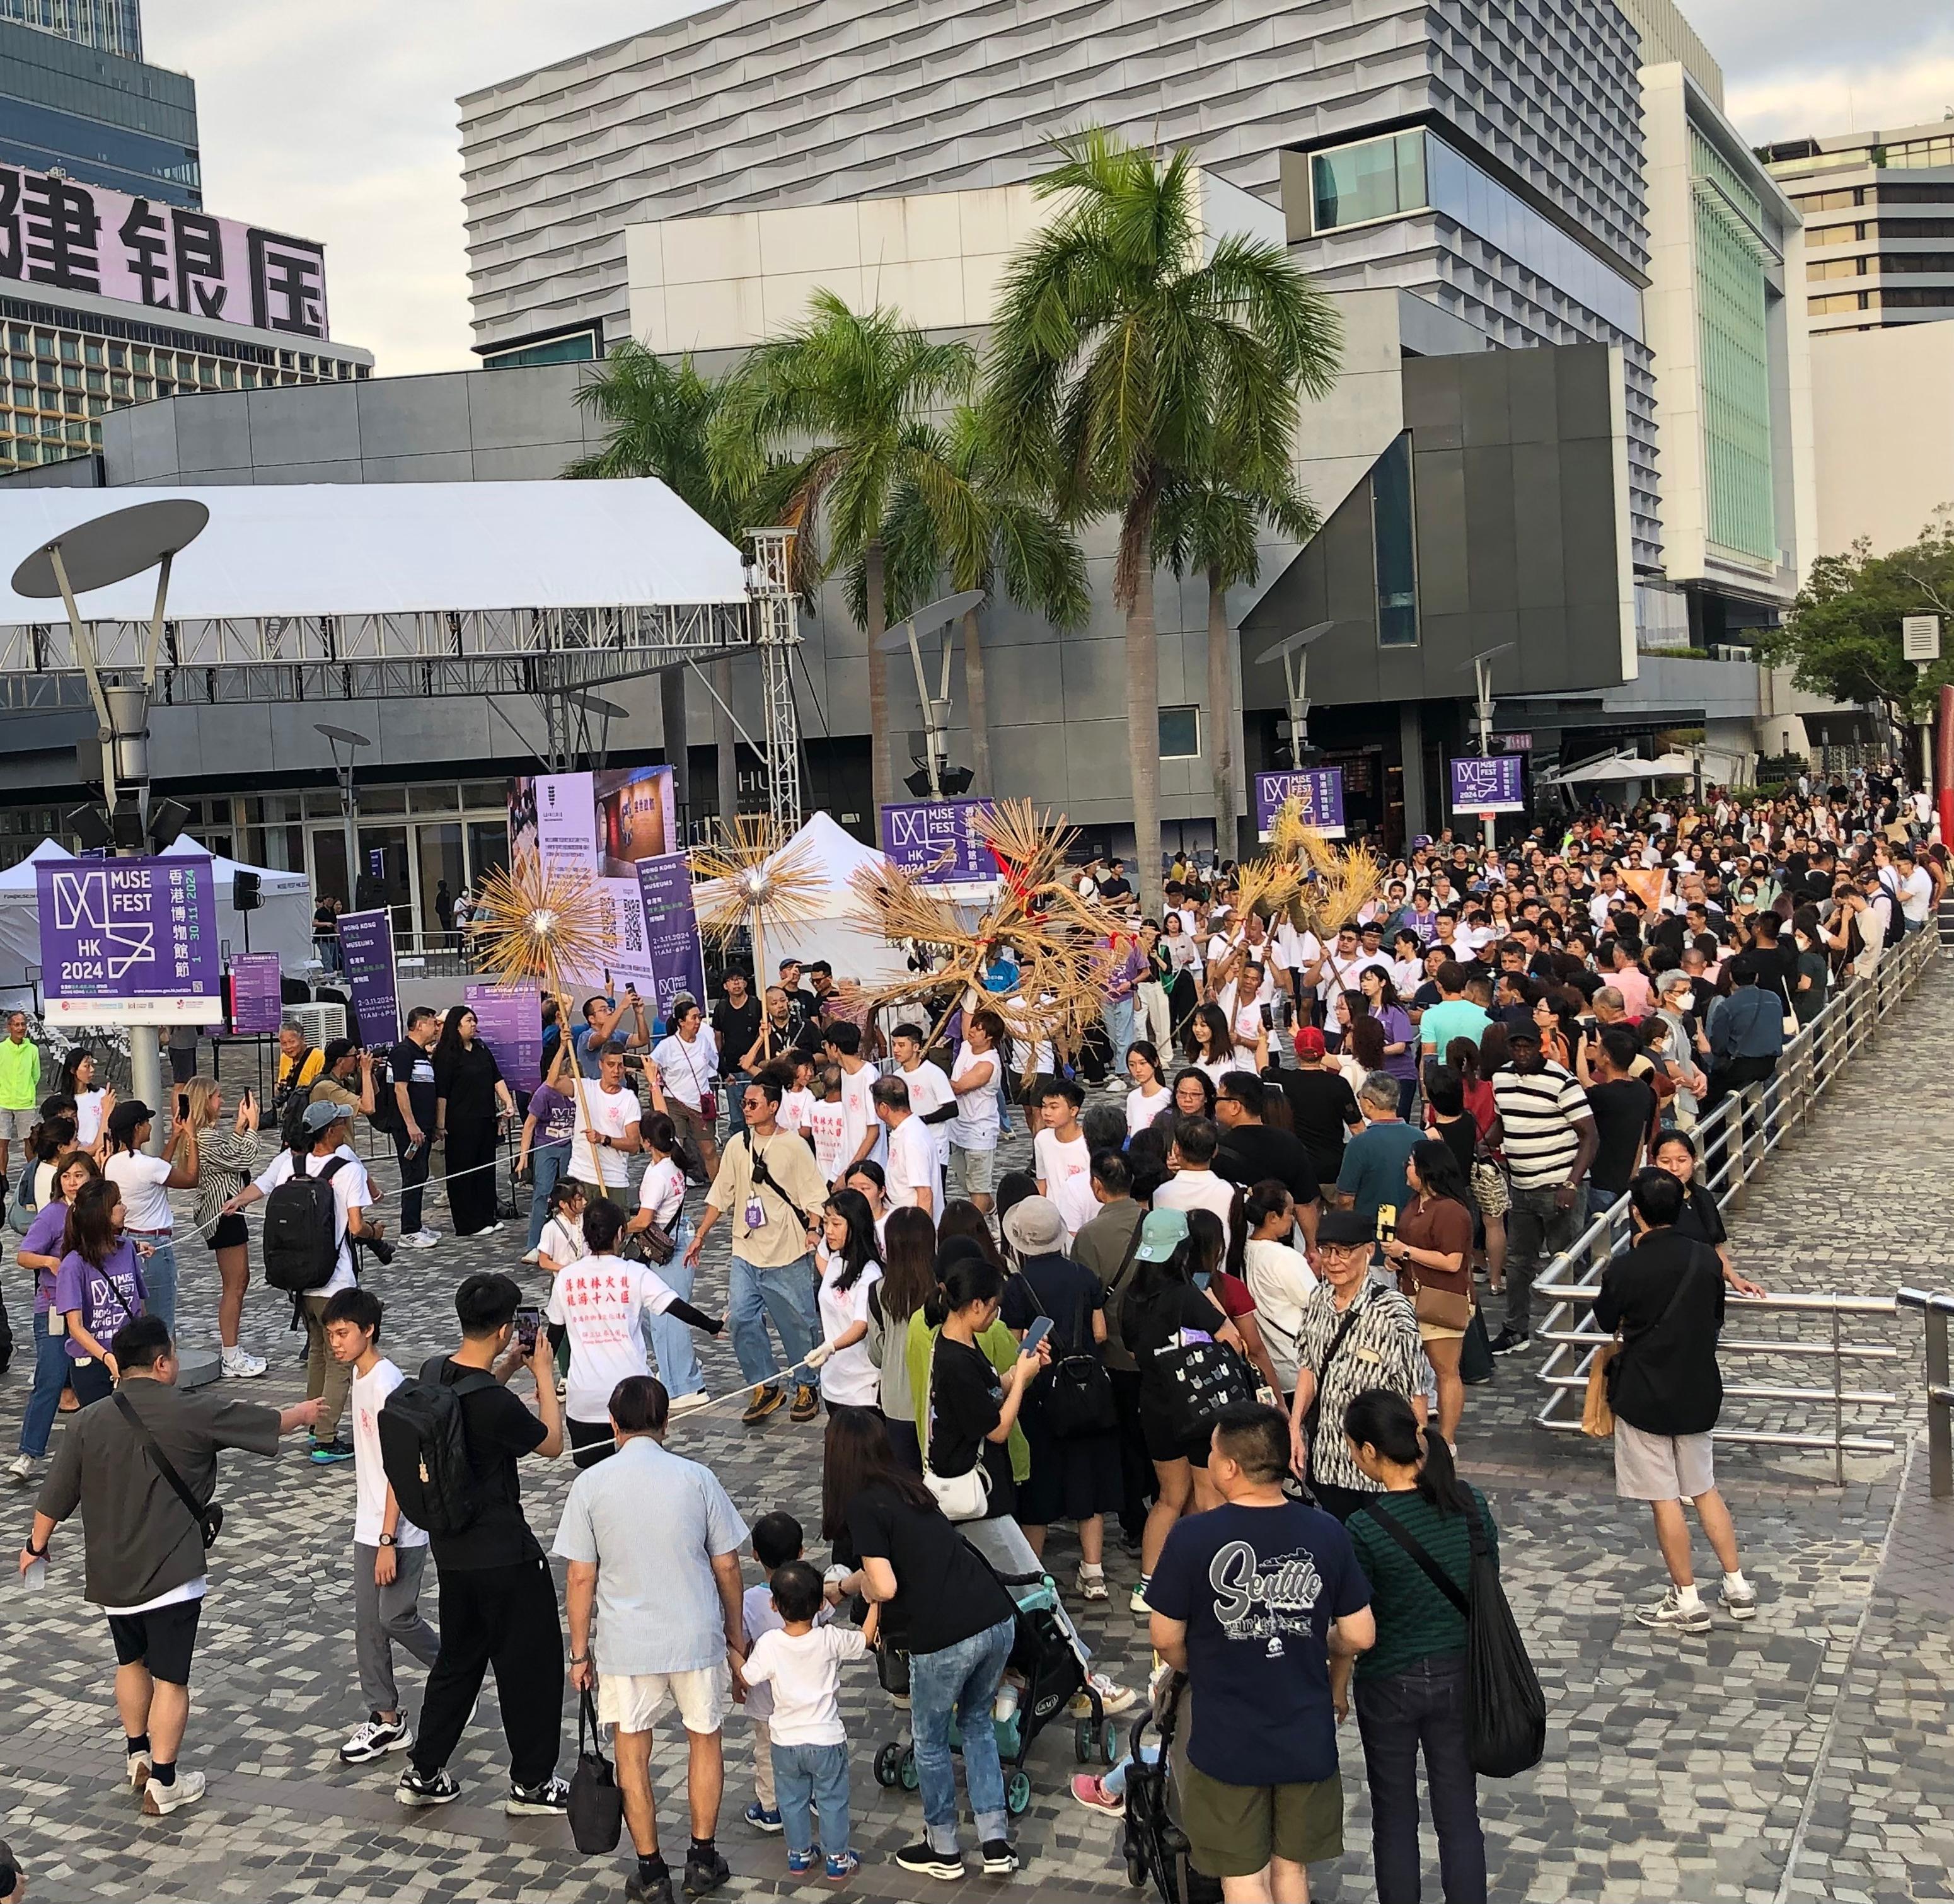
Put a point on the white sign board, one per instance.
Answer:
(1920, 637)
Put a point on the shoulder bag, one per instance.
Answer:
(209, 1516)
(962, 1497)
(1505, 1711)
(595, 1809)
(1443, 1308)
(1197, 1380)
(765, 1180)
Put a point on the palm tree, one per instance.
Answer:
(1123, 351)
(1038, 563)
(1208, 528)
(827, 426)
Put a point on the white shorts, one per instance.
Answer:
(632, 1701)
(980, 1169)
(1661, 1467)
(17, 1123)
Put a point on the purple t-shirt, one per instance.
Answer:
(554, 1113)
(43, 1239)
(79, 1285)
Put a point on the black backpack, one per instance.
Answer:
(424, 1448)
(291, 1120)
(302, 1230)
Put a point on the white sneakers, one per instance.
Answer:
(240, 1366)
(1112, 1698)
(685, 1404)
(1091, 1586)
(20, 1470)
(160, 1800)
(1674, 1614)
(532, 1256)
(421, 1239)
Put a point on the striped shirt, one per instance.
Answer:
(1540, 1112)
(1381, 1350)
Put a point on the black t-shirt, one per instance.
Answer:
(408, 1064)
(467, 1078)
(944, 1593)
(1666, 1295)
(1623, 1109)
(1461, 1137)
(1116, 886)
(967, 1398)
(1251, 1153)
(1151, 1325)
(500, 1431)
(1324, 1107)
(737, 1030)
(1701, 1220)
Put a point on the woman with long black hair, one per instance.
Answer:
(1433, 1244)
(849, 1262)
(1212, 1045)
(908, 1276)
(1410, 1686)
(470, 1095)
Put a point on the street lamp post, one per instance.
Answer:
(1482, 680)
(1293, 652)
(95, 554)
(935, 710)
(349, 800)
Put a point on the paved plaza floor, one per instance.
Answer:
(1806, 1756)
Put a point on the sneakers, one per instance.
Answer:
(532, 1256)
(806, 1402)
(929, 1863)
(685, 1404)
(842, 1865)
(1087, 1791)
(20, 1470)
(1510, 1342)
(655, 1890)
(800, 1863)
(1091, 1586)
(1112, 1698)
(159, 1800)
(375, 1739)
(140, 1766)
(438, 1787)
(761, 1819)
(547, 1800)
(493, 1230)
(325, 1454)
(418, 1239)
(766, 1398)
(1669, 1615)
(1137, 1604)
(1740, 1603)
(704, 1874)
(236, 1364)
(1000, 1860)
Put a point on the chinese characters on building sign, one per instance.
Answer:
(166, 257)
(1492, 783)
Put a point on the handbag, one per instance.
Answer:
(1491, 1190)
(595, 1807)
(1077, 1393)
(1505, 1711)
(1597, 1413)
(1200, 1379)
(1443, 1308)
(962, 1497)
(207, 1515)
(652, 1245)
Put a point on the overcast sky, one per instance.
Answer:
(338, 121)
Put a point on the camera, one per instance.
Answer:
(381, 1251)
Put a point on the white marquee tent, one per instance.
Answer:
(282, 923)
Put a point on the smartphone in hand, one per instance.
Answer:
(528, 1326)
(1034, 1335)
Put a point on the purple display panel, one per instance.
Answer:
(918, 835)
(1317, 791)
(1489, 784)
(366, 950)
(129, 941)
(671, 929)
(257, 994)
(510, 1023)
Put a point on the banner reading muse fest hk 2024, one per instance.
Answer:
(129, 941)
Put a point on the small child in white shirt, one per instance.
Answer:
(801, 1662)
(776, 1540)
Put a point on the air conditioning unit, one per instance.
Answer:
(321, 1023)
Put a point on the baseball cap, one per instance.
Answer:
(340, 1047)
(124, 1119)
(1162, 1232)
(1310, 1042)
(321, 1114)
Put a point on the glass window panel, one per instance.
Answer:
(1179, 733)
(1358, 183)
(1391, 529)
(439, 798)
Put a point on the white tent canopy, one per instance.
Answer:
(351, 548)
(282, 924)
(832, 934)
(1621, 768)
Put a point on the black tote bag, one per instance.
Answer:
(596, 1807)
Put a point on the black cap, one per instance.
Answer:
(128, 1115)
(340, 1047)
(1345, 1226)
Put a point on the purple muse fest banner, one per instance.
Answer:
(916, 834)
(1317, 791)
(510, 1023)
(1489, 784)
(367, 949)
(672, 930)
(129, 941)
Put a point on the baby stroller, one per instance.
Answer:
(1046, 1655)
(1154, 1844)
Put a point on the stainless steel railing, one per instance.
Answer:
(1735, 1140)
(1936, 1307)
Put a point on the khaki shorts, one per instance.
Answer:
(1233, 1830)
(1436, 1332)
(632, 1701)
(690, 1123)
(1661, 1467)
(980, 1169)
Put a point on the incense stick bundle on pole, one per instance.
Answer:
(758, 878)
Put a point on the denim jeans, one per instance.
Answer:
(550, 1162)
(957, 1686)
(159, 1278)
(1117, 1015)
(50, 1367)
(1537, 1230)
(1423, 1706)
(815, 1775)
(733, 1088)
(753, 1294)
(671, 1340)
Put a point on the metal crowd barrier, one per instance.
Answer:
(1734, 1141)
(1936, 1307)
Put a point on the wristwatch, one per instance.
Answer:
(387, 1540)
(38, 1553)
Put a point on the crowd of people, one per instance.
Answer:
(1227, 1319)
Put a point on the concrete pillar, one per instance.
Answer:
(671, 711)
(1411, 746)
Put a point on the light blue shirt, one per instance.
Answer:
(651, 1523)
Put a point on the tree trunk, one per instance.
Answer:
(1143, 736)
(978, 695)
(1224, 727)
(882, 777)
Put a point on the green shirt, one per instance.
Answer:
(1448, 1019)
(19, 1074)
(1414, 1620)
(996, 1342)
